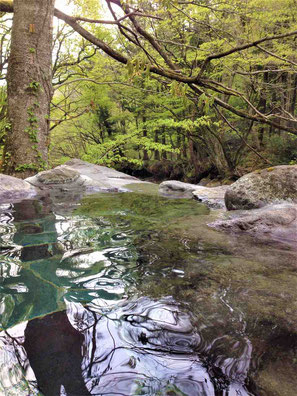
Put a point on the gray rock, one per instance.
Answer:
(102, 174)
(271, 223)
(59, 175)
(81, 176)
(213, 197)
(268, 186)
(210, 196)
(64, 178)
(13, 189)
(67, 184)
(177, 189)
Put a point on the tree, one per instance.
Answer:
(29, 87)
(211, 51)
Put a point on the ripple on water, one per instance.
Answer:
(69, 299)
(141, 347)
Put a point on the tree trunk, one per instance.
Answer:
(29, 87)
(144, 134)
(164, 153)
(156, 152)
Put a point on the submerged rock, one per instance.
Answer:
(210, 196)
(273, 223)
(268, 186)
(13, 189)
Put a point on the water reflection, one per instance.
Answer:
(53, 348)
(73, 322)
(143, 347)
(46, 257)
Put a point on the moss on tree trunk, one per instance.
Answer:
(29, 87)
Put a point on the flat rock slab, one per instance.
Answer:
(13, 189)
(271, 223)
(263, 187)
(210, 196)
(77, 175)
(102, 174)
(64, 178)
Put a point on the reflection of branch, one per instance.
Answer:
(94, 344)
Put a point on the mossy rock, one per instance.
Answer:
(59, 175)
(262, 187)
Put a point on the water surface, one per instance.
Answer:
(132, 294)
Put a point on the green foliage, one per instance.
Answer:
(137, 119)
(32, 129)
(24, 167)
(34, 86)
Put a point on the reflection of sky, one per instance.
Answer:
(139, 347)
(16, 375)
(99, 258)
(146, 346)
(7, 228)
(8, 269)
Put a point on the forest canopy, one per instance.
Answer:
(179, 89)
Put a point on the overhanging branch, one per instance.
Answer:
(196, 83)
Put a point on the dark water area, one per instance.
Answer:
(113, 295)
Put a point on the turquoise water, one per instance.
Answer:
(108, 296)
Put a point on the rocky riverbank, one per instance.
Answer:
(262, 204)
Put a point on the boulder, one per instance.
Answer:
(80, 176)
(213, 197)
(273, 223)
(268, 186)
(13, 189)
(64, 178)
(176, 189)
(102, 174)
(59, 175)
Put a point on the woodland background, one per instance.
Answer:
(125, 116)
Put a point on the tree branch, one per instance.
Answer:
(241, 48)
(117, 21)
(242, 138)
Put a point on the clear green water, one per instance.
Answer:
(132, 294)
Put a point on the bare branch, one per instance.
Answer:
(241, 137)
(241, 48)
(276, 56)
(135, 13)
